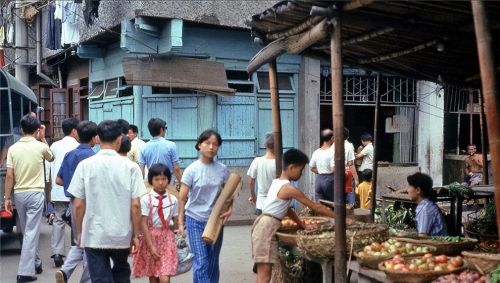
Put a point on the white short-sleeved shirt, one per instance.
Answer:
(108, 184)
(59, 149)
(367, 153)
(348, 153)
(205, 182)
(168, 208)
(263, 170)
(321, 159)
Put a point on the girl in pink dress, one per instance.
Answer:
(157, 253)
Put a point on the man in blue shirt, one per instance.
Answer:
(159, 149)
(429, 218)
(87, 132)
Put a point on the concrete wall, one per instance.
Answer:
(431, 130)
(309, 115)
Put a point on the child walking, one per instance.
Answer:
(201, 184)
(276, 206)
(157, 253)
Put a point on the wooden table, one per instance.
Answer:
(484, 189)
(366, 275)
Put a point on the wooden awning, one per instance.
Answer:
(178, 72)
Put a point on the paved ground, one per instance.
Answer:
(236, 263)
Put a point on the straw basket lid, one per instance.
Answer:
(483, 262)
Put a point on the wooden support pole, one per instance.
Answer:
(338, 133)
(489, 89)
(375, 150)
(275, 108)
(484, 152)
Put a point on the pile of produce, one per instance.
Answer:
(464, 277)
(453, 239)
(392, 247)
(459, 190)
(398, 217)
(425, 263)
(308, 222)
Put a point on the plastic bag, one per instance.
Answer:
(184, 255)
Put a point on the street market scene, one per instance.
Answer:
(249, 141)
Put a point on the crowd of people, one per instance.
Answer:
(98, 172)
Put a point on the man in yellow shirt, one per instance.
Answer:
(25, 178)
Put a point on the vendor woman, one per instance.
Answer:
(429, 218)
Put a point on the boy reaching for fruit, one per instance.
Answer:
(276, 206)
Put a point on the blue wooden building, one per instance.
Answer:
(158, 48)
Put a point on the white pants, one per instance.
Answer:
(29, 206)
(57, 240)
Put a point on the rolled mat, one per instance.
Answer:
(223, 203)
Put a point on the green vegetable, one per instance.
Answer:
(459, 190)
(453, 239)
(495, 275)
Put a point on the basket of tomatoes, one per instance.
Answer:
(371, 255)
(287, 234)
(421, 269)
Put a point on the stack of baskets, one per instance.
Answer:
(321, 243)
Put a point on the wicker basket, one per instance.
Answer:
(373, 261)
(321, 243)
(444, 247)
(483, 262)
(325, 224)
(417, 276)
(288, 238)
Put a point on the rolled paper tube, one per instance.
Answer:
(214, 224)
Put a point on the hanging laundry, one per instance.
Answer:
(53, 29)
(69, 32)
(91, 11)
(10, 34)
(2, 36)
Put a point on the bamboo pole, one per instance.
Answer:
(471, 118)
(338, 133)
(294, 44)
(486, 177)
(489, 89)
(275, 108)
(375, 150)
(398, 53)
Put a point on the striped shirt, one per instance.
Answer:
(429, 219)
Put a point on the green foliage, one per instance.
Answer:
(397, 217)
(459, 190)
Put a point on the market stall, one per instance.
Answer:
(391, 37)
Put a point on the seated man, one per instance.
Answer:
(473, 166)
